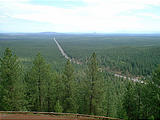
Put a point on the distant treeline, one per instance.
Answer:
(129, 55)
(87, 91)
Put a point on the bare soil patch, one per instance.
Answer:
(40, 117)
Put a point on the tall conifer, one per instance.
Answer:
(38, 80)
(69, 102)
(95, 86)
(12, 84)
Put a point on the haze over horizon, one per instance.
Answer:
(82, 16)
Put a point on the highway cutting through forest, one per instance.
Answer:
(77, 62)
(65, 54)
(61, 50)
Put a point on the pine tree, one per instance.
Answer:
(58, 107)
(95, 86)
(38, 80)
(139, 95)
(11, 83)
(154, 101)
(50, 91)
(69, 102)
(109, 97)
(146, 98)
(58, 89)
(82, 92)
(130, 101)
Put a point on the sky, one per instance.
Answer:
(84, 16)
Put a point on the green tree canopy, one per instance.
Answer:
(69, 102)
(95, 86)
(37, 80)
(12, 90)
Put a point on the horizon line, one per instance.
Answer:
(86, 32)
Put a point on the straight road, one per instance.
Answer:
(61, 50)
(77, 62)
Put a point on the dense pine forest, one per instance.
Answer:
(34, 76)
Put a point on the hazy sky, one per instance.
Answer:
(107, 16)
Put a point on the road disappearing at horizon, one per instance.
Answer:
(77, 62)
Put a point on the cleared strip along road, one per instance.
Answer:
(61, 50)
(77, 62)
(65, 55)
